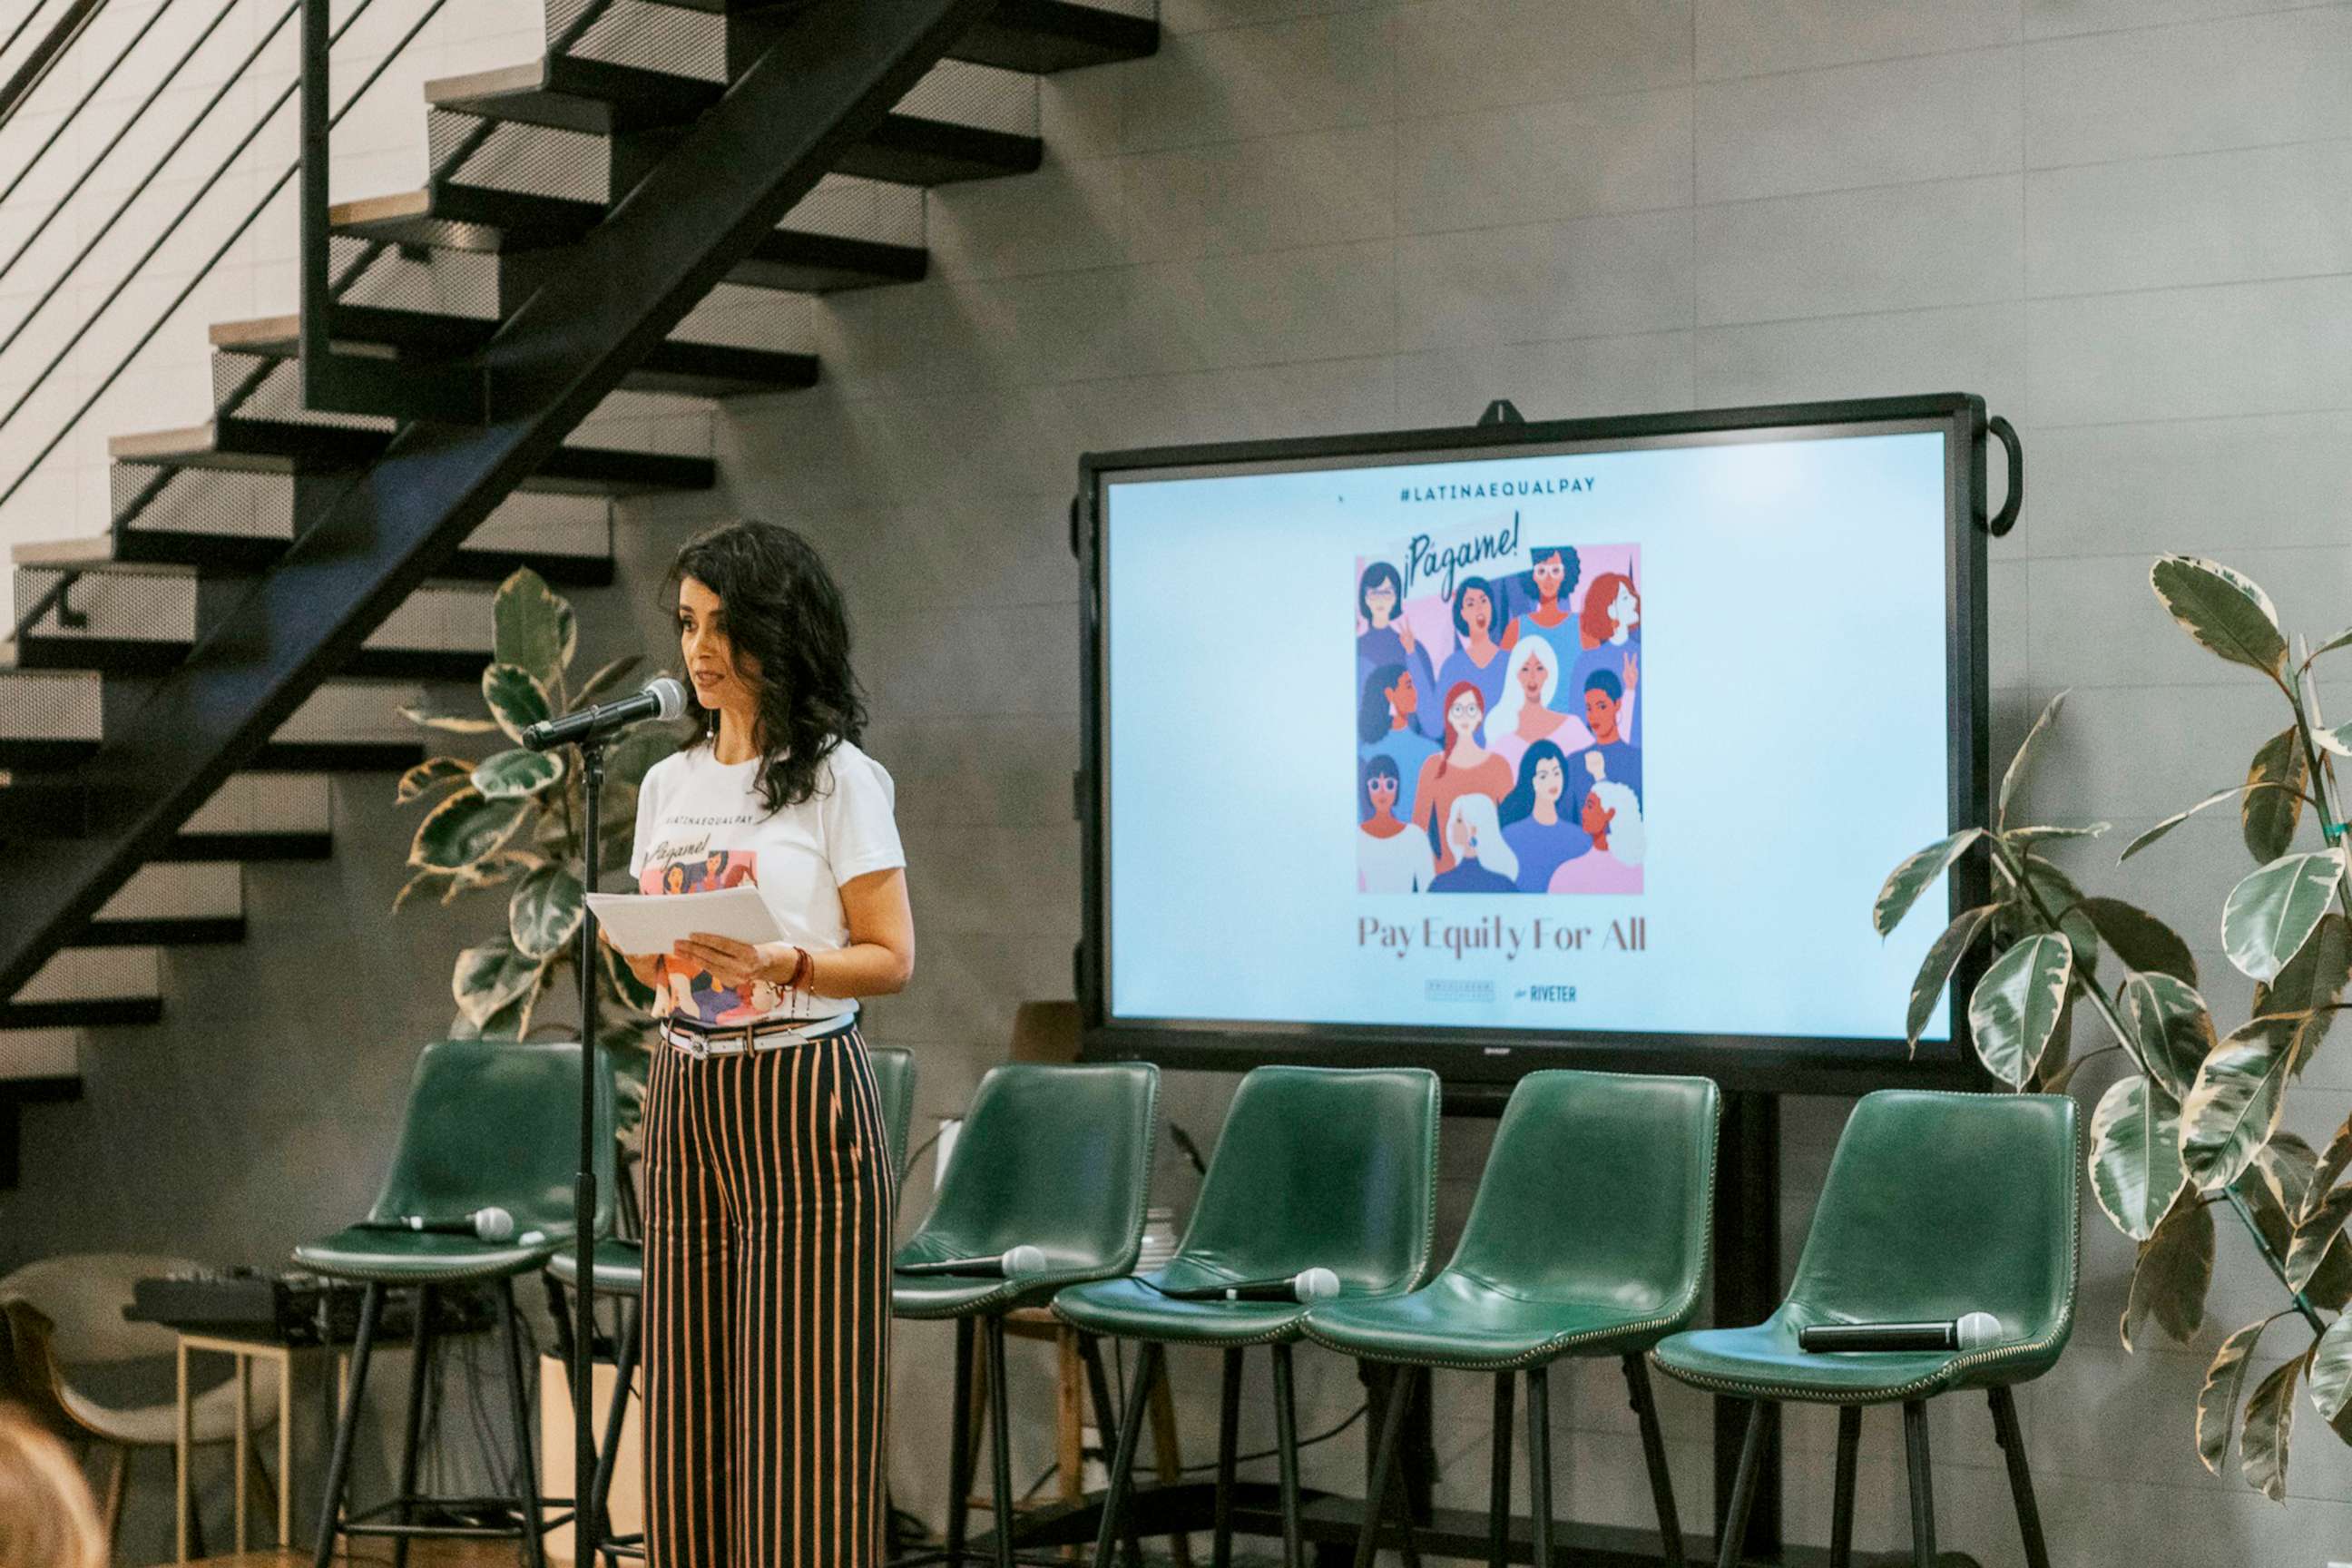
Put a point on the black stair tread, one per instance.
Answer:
(235, 552)
(904, 149)
(675, 365)
(275, 445)
(191, 931)
(58, 807)
(277, 757)
(574, 93)
(159, 656)
(789, 260)
(97, 1015)
(1043, 37)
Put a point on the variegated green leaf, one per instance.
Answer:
(2316, 1235)
(2223, 610)
(631, 757)
(2140, 940)
(2331, 1369)
(2327, 1171)
(2273, 805)
(428, 775)
(543, 915)
(2270, 1424)
(2306, 990)
(2026, 838)
(2172, 1273)
(2338, 740)
(2135, 1156)
(518, 774)
(465, 830)
(516, 699)
(2268, 916)
(2217, 1402)
(511, 1022)
(425, 882)
(2235, 1106)
(1936, 971)
(2175, 820)
(626, 987)
(2283, 1165)
(447, 723)
(488, 977)
(2015, 774)
(2171, 1029)
(2017, 1005)
(531, 624)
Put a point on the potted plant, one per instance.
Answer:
(2193, 1127)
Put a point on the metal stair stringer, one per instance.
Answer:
(828, 75)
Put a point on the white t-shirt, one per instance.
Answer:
(701, 825)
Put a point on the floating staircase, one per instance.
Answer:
(640, 211)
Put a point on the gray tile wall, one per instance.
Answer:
(2126, 222)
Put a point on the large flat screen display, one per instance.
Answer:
(1525, 745)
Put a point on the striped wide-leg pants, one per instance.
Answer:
(769, 1201)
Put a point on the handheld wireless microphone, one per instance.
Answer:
(1311, 1286)
(1018, 1261)
(1973, 1331)
(484, 1224)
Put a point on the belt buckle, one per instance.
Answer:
(697, 1044)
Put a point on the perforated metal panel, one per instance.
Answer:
(962, 93)
(49, 705)
(653, 36)
(116, 604)
(849, 207)
(539, 160)
(448, 282)
(751, 319)
(272, 803)
(202, 501)
(342, 712)
(254, 387)
(548, 525)
(442, 618)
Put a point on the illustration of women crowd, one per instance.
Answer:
(1499, 736)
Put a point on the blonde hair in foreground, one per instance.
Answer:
(47, 1518)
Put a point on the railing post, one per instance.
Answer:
(311, 196)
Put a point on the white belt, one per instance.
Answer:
(749, 1038)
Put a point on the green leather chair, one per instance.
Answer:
(1316, 1167)
(1936, 1205)
(618, 1268)
(1053, 1157)
(1590, 1236)
(490, 1123)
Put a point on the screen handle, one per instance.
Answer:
(2006, 518)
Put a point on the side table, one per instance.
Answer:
(244, 1350)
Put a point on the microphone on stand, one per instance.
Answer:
(1973, 1332)
(663, 699)
(1022, 1259)
(484, 1224)
(1308, 1287)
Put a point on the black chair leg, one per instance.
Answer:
(339, 1469)
(1286, 1440)
(1122, 1463)
(2021, 1479)
(1229, 1439)
(1923, 1496)
(1384, 1464)
(1106, 1424)
(518, 1404)
(1000, 1444)
(1498, 1494)
(420, 1366)
(1743, 1491)
(1539, 1465)
(960, 1454)
(624, 1372)
(1654, 1452)
(1849, 1446)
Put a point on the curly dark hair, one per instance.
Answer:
(785, 614)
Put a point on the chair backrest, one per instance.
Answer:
(1318, 1167)
(1940, 1204)
(894, 1078)
(1058, 1158)
(1600, 1188)
(497, 1123)
(83, 1296)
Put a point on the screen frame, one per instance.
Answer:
(1478, 1058)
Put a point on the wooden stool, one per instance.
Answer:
(1039, 1323)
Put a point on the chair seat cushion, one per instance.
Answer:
(1764, 1363)
(408, 1258)
(119, 1412)
(619, 1266)
(1459, 1321)
(1131, 1309)
(931, 1297)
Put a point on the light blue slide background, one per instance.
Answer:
(1793, 693)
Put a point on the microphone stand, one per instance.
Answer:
(587, 1531)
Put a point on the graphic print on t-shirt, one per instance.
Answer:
(698, 997)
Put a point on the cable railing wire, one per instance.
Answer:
(44, 55)
(57, 132)
(189, 289)
(136, 115)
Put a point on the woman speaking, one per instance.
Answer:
(769, 1191)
